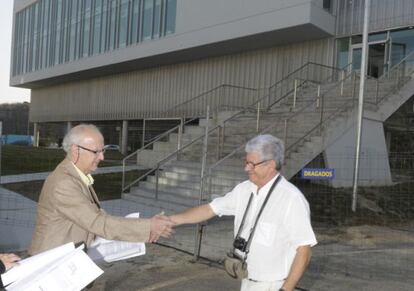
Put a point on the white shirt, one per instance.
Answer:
(283, 226)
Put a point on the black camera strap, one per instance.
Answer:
(249, 241)
(244, 217)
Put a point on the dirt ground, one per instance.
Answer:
(164, 268)
(354, 258)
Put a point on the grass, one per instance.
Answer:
(24, 159)
(107, 186)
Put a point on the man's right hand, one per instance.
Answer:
(9, 260)
(161, 226)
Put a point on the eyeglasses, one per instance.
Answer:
(254, 165)
(97, 152)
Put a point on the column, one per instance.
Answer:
(68, 126)
(36, 134)
(124, 135)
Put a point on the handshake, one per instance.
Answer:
(161, 226)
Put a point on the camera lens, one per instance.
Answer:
(240, 244)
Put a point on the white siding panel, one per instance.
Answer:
(147, 93)
(384, 15)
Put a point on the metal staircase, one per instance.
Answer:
(198, 162)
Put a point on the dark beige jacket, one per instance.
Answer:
(69, 211)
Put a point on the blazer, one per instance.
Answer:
(69, 211)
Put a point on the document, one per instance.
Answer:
(110, 250)
(31, 264)
(71, 271)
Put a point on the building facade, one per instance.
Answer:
(127, 60)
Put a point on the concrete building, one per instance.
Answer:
(126, 61)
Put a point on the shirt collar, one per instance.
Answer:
(265, 188)
(86, 179)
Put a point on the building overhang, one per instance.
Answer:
(289, 26)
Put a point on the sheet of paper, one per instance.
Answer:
(71, 272)
(34, 263)
(111, 250)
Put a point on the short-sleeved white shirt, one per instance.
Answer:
(283, 226)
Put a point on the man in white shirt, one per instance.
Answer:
(280, 249)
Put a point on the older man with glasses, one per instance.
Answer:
(69, 209)
(270, 211)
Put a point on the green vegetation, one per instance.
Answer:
(107, 186)
(24, 159)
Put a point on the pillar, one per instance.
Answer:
(68, 126)
(36, 134)
(124, 135)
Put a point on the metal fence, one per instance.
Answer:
(375, 243)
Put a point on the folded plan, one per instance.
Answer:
(111, 250)
(61, 268)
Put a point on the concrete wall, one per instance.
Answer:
(374, 167)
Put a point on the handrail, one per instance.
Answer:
(342, 108)
(339, 110)
(398, 64)
(166, 159)
(185, 146)
(266, 129)
(171, 109)
(226, 120)
(305, 65)
(345, 106)
(160, 136)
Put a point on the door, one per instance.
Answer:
(379, 54)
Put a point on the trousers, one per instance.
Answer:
(249, 285)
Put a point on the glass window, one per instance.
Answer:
(57, 28)
(135, 22)
(342, 52)
(356, 59)
(86, 28)
(327, 5)
(68, 15)
(377, 37)
(97, 19)
(402, 44)
(147, 23)
(73, 30)
(51, 32)
(37, 31)
(157, 19)
(45, 38)
(112, 24)
(123, 25)
(170, 16)
(104, 33)
(356, 39)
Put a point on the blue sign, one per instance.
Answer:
(318, 174)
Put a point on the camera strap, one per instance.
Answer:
(244, 217)
(257, 218)
(249, 241)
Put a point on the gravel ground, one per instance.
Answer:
(353, 258)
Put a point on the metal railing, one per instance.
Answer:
(399, 75)
(209, 98)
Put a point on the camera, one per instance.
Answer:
(240, 244)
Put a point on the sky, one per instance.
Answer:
(8, 94)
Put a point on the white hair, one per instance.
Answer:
(76, 135)
(268, 147)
